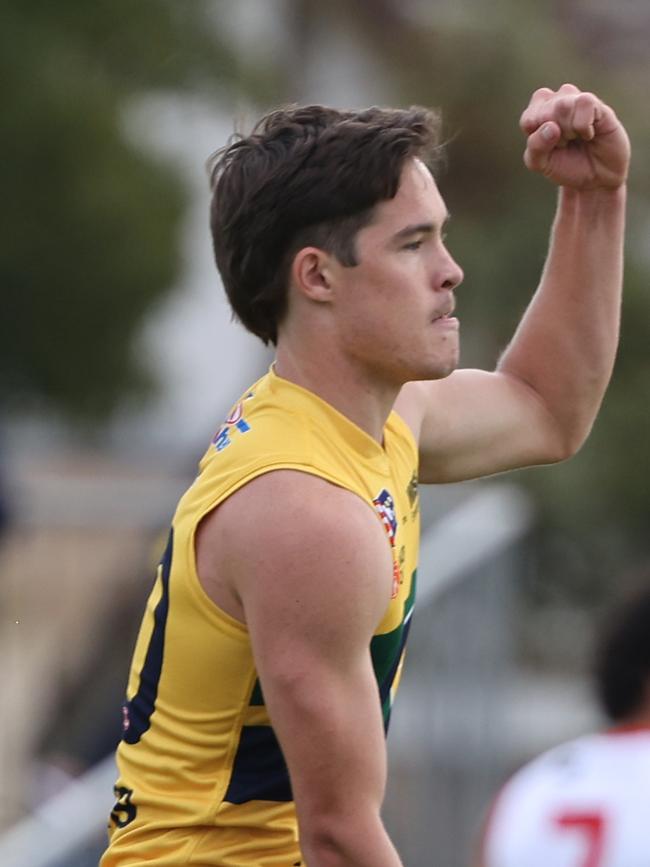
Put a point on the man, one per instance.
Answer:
(264, 673)
(586, 803)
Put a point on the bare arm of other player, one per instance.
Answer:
(312, 589)
(540, 403)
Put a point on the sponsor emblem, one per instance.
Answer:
(126, 722)
(234, 422)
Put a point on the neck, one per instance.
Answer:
(354, 393)
(640, 720)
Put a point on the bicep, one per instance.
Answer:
(311, 605)
(476, 423)
(327, 716)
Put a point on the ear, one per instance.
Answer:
(311, 274)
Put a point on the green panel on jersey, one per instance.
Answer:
(386, 651)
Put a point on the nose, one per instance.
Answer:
(452, 273)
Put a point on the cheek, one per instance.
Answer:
(383, 292)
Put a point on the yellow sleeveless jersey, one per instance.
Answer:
(202, 779)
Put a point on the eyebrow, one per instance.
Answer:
(418, 228)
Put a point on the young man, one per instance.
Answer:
(586, 803)
(263, 677)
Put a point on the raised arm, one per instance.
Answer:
(539, 405)
(310, 566)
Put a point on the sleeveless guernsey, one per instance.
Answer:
(585, 803)
(202, 779)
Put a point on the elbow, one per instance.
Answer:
(571, 448)
(324, 844)
(339, 839)
(565, 444)
(324, 851)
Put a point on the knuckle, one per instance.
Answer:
(527, 122)
(586, 99)
(568, 88)
(564, 105)
(542, 93)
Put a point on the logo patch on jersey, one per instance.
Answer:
(385, 506)
(412, 490)
(234, 422)
(126, 722)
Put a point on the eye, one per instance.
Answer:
(413, 245)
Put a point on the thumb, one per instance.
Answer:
(540, 144)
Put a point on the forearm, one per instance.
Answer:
(565, 345)
(349, 840)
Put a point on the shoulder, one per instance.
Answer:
(289, 532)
(553, 764)
(410, 406)
(290, 509)
(298, 498)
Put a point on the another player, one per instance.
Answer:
(264, 674)
(586, 803)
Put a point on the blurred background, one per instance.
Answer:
(118, 360)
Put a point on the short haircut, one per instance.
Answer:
(305, 176)
(622, 659)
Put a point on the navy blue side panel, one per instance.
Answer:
(139, 709)
(259, 772)
(257, 699)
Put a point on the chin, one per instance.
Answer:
(438, 369)
(424, 369)
(440, 374)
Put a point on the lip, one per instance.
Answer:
(447, 322)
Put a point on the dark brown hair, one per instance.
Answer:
(305, 176)
(622, 659)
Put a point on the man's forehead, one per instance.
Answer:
(419, 169)
(417, 180)
(417, 200)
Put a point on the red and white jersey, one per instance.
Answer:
(583, 804)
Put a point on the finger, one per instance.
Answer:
(605, 119)
(568, 89)
(562, 111)
(541, 102)
(540, 145)
(530, 118)
(586, 115)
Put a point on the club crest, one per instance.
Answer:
(385, 506)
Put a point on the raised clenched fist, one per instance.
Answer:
(575, 139)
